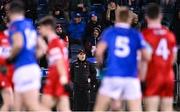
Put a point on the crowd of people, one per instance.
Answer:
(82, 19)
(79, 37)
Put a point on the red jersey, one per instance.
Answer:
(5, 79)
(163, 44)
(56, 50)
(4, 47)
(160, 68)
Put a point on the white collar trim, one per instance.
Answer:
(122, 25)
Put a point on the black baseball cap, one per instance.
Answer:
(77, 15)
(81, 51)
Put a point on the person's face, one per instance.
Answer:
(77, 19)
(94, 18)
(57, 12)
(113, 5)
(96, 33)
(43, 30)
(81, 56)
(59, 30)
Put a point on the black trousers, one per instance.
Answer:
(81, 98)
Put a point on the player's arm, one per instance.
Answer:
(60, 64)
(175, 49)
(146, 55)
(17, 39)
(41, 47)
(145, 49)
(142, 69)
(59, 55)
(101, 48)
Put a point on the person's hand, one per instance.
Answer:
(63, 79)
(2, 6)
(80, 5)
(109, 7)
(84, 9)
(93, 49)
(65, 83)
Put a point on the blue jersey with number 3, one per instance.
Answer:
(27, 53)
(122, 46)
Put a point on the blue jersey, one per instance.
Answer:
(27, 53)
(122, 46)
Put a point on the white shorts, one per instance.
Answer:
(121, 88)
(27, 78)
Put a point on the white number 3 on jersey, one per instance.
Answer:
(162, 49)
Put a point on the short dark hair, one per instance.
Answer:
(16, 6)
(124, 14)
(48, 21)
(153, 11)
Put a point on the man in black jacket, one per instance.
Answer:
(84, 77)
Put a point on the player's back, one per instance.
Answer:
(27, 53)
(123, 44)
(163, 45)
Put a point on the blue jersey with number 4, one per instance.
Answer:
(122, 46)
(27, 53)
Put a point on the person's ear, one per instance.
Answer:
(161, 16)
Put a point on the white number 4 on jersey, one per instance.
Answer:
(162, 49)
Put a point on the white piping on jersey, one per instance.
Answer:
(122, 25)
(18, 18)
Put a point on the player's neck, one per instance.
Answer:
(51, 36)
(17, 17)
(123, 25)
(155, 24)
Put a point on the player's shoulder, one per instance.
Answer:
(169, 32)
(108, 30)
(135, 34)
(57, 42)
(134, 31)
(22, 23)
(146, 31)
